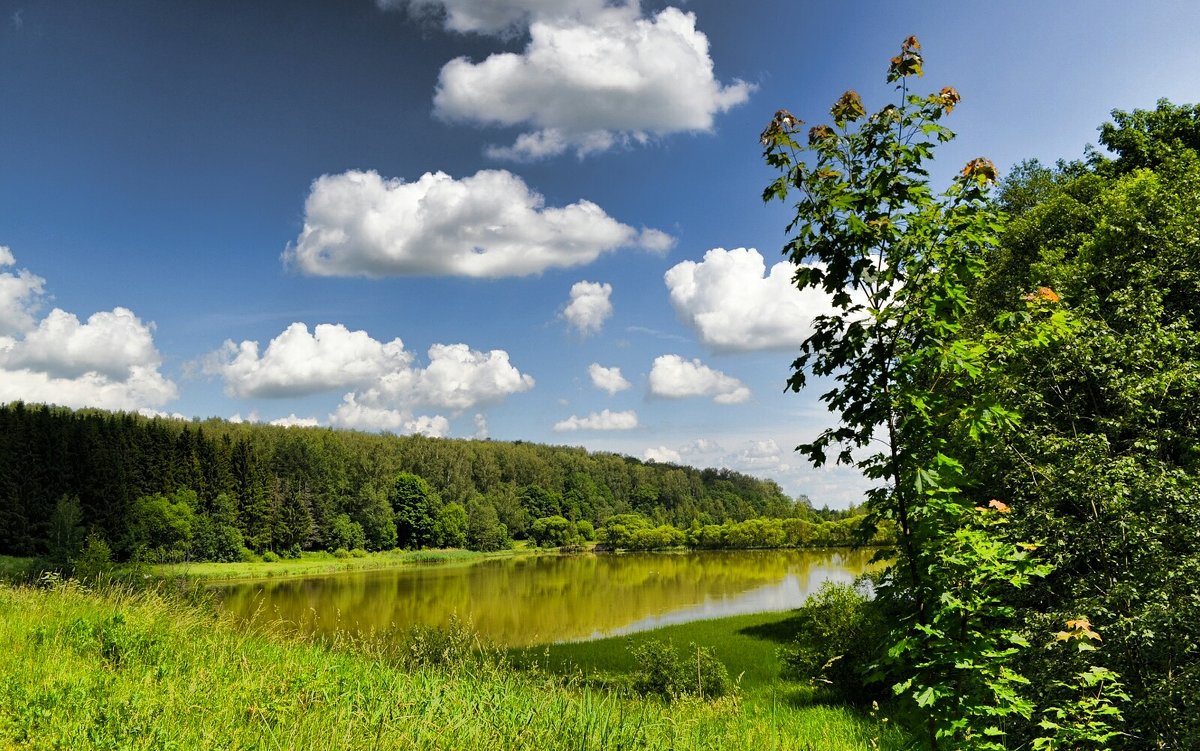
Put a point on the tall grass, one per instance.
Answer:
(116, 668)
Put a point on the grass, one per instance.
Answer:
(747, 644)
(18, 569)
(119, 668)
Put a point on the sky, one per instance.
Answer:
(534, 220)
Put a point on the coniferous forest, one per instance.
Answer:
(165, 489)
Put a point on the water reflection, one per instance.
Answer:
(522, 601)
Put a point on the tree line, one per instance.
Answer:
(161, 489)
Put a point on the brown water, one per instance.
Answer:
(530, 600)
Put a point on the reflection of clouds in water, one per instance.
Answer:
(788, 594)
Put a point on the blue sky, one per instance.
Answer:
(464, 217)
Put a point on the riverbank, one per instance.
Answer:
(308, 564)
(317, 563)
(83, 668)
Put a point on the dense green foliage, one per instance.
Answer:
(163, 489)
(1035, 387)
(1107, 471)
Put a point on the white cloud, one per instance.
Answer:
(20, 294)
(673, 377)
(493, 16)
(353, 415)
(588, 81)
(590, 306)
(481, 427)
(460, 378)
(144, 386)
(701, 446)
(604, 420)
(488, 225)
(297, 363)
(292, 421)
(759, 456)
(107, 362)
(663, 455)
(734, 305)
(111, 344)
(608, 379)
(387, 383)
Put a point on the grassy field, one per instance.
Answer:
(118, 668)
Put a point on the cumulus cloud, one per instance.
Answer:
(353, 415)
(735, 305)
(701, 446)
(108, 361)
(663, 455)
(590, 306)
(297, 363)
(488, 225)
(387, 383)
(292, 421)
(607, 379)
(492, 16)
(20, 295)
(481, 427)
(604, 420)
(589, 80)
(673, 377)
(759, 456)
(111, 344)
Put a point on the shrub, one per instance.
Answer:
(837, 631)
(341, 553)
(663, 672)
(95, 558)
(358, 553)
(269, 556)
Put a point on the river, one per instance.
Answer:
(527, 600)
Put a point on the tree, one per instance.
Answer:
(1107, 471)
(66, 530)
(452, 526)
(898, 264)
(554, 532)
(484, 530)
(160, 527)
(416, 507)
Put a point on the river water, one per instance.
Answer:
(549, 598)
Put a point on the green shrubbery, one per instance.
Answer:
(838, 636)
(665, 672)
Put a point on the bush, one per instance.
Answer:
(269, 556)
(341, 553)
(95, 558)
(246, 555)
(838, 630)
(358, 553)
(664, 672)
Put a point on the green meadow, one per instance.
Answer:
(112, 667)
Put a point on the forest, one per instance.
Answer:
(162, 489)
(1017, 362)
